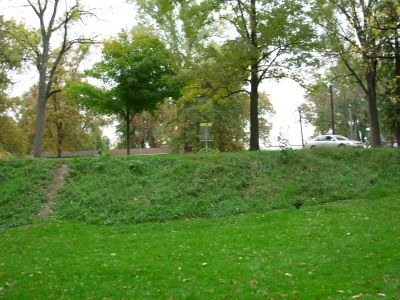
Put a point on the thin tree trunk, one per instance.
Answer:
(397, 85)
(59, 151)
(128, 133)
(39, 125)
(60, 138)
(186, 145)
(40, 110)
(372, 107)
(39, 128)
(254, 128)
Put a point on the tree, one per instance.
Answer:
(11, 53)
(273, 36)
(67, 127)
(12, 138)
(348, 103)
(139, 71)
(206, 98)
(185, 26)
(388, 22)
(352, 29)
(268, 42)
(47, 57)
(154, 129)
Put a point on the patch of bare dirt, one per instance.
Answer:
(51, 197)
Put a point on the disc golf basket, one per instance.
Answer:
(205, 133)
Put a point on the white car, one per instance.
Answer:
(331, 140)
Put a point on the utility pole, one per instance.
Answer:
(332, 114)
(301, 128)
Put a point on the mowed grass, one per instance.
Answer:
(342, 250)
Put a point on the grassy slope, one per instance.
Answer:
(118, 190)
(121, 190)
(24, 185)
(339, 250)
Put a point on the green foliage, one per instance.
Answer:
(140, 67)
(67, 126)
(265, 41)
(363, 35)
(155, 129)
(214, 93)
(349, 104)
(12, 138)
(139, 71)
(228, 117)
(24, 186)
(341, 250)
(186, 25)
(11, 53)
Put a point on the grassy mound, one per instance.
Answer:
(137, 189)
(125, 190)
(24, 186)
(342, 250)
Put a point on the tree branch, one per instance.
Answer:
(239, 2)
(356, 76)
(266, 69)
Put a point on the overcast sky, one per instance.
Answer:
(112, 16)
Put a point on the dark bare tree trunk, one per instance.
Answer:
(39, 128)
(372, 105)
(60, 138)
(254, 81)
(59, 149)
(254, 128)
(397, 85)
(128, 133)
(42, 98)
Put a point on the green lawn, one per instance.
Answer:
(342, 250)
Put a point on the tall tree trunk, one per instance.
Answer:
(39, 128)
(372, 106)
(397, 84)
(254, 81)
(47, 27)
(40, 115)
(254, 128)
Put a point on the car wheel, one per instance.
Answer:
(342, 146)
(312, 147)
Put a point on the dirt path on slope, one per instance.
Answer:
(57, 183)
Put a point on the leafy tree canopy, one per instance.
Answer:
(138, 73)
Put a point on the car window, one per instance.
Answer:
(341, 138)
(321, 138)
